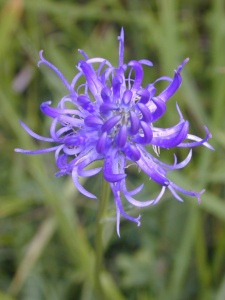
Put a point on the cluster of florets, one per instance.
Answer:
(112, 120)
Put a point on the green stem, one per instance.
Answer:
(103, 203)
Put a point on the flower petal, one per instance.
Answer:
(106, 94)
(76, 140)
(116, 85)
(171, 137)
(39, 151)
(92, 121)
(110, 123)
(121, 47)
(49, 111)
(134, 123)
(147, 116)
(127, 96)
(80, 188)
(122, 136)
(105, 108)
(101, 143)
(183, 191)
(138, 203)
(139, 74)
(107, 171)
(154, 171)
(147, 134)
(85, 103)
(56, 70)
(174, 86)
(144, 94)
(94, 84)
(88, 173)
(146, 62)
(132, 152)
(35, 135)
(134, 191)
(159, 108)
(198, 140)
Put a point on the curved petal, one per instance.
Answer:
(147, 134)
(183, 191)
(175, 194)
(74, 140)
(184, 162)
(134, 191)
(144, 94)
(88, 173)
(147, 202)
(134, 123)
(56, 70)
(160, 195)
(105, 108)
(175, 166)
(93, 121)
(118, 202)
(146, 114)
(154, 171)
(107, 171)
(94, 84)
(80, 188)
(198, 140)
(61, 160)
(132, 152)
(35, 135)
(175, 84)
(73, 122)
(122, 136)
(75, 80)
(106, 94)
(72, 150)
(110, 123)
(85, 102)
(49, 111)
(159, 108)
(146, 62)
(138, 203)
(139, 74)
(63, 115)
(55, 134)
(127, 96)
(57, 152)
(110, 177)
(39, 151)
(116, 86)
(171, 137)
(101, 143)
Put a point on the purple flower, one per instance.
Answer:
(112, 120)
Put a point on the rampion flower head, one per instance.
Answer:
(112, 119)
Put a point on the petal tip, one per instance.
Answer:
(41, 58)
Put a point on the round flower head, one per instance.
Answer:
(112, 119)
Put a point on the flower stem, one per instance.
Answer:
(103, 203)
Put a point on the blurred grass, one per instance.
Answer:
(47, 228)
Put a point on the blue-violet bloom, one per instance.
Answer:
(113, 121)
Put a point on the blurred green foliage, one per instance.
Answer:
(47, 229)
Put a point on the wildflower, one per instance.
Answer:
(112, 120)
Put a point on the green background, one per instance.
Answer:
(47, 229)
